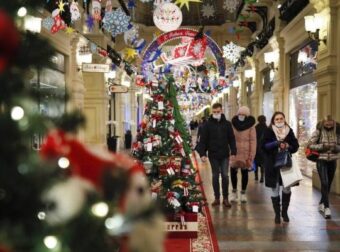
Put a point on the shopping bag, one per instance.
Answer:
(290, 176)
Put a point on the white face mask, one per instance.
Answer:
(279, 125)
(241, 118)
(217, 116)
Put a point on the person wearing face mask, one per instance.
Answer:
(278, 137)
(245, 134)
(217, 138)
(326, 140)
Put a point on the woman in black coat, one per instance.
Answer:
(260, 129)
(278, 136)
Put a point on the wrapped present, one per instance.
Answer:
(182, 225)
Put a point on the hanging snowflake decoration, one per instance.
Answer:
(89, 22)
(131, 34)
(231, 52)
(116, 22)
(93, 48)
(208, 11)
(231, 5)
(47, 23)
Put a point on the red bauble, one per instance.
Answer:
(9, 40)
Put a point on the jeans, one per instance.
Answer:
(233, 175)
(220, 166)
(326, 170)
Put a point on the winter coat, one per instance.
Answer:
(245, 135)
(217, 137)
(260, 129)
(270, 147)
(321, 142)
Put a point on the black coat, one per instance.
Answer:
(260, 129)
(271, 173)
(217, 137)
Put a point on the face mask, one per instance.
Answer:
(279, 125)
(217, 116)
(241, 118)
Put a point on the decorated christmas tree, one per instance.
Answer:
(66, 197)
(163, 145)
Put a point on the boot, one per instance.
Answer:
(285, 204)
(226, 202)
(276, 206)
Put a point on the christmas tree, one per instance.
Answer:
(67, 197)
(163, 144)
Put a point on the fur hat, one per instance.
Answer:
(243, 110)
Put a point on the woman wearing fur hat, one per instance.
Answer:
(326, 140)
(245, 134)
(277, 137)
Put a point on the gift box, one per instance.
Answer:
(169, 165)
(182, 226)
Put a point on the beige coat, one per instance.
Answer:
(246, 148)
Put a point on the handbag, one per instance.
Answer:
(291, 176)
(312, 155)
(283, 159)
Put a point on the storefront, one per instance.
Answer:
(303, 99)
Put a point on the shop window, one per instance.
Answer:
(50, 86)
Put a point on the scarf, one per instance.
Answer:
(281, 133)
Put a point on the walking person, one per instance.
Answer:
(278, 137)
(218, 139)
(245, 134)
(326, 140)
(260, 128)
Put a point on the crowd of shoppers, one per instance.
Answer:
(242, 145)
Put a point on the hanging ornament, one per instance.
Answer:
(89, 22)
(167, 17)
(130, 53)
(181, 3)
(69, 30)
(231, 5)
(96, 10)
(75, 13)
(108, 6)
(231, 52)
(116, 22)
(61, 6)
(93, 47)
(159, 2)
(131, 4)
(131, 34)
(59, 24)
(47, 23)
(145, 1)
(208, 11)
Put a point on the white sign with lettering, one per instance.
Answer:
(96, 68)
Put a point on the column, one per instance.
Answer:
(277, 88)
(232, 104)
(255, 97)
(243, 89)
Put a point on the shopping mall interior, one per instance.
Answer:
(104, 105)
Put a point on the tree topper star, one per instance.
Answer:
(181, 3)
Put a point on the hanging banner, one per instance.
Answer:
(96, 68)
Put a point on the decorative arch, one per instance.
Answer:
(164, 38)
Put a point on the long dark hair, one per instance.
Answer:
(274, 115)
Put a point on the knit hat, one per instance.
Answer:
(244, 110)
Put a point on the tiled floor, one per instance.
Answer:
(251, 227)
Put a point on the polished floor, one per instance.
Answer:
(251, 227)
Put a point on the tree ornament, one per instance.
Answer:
(181, 3)
(59, 24)
(96, 10)
(231, 52)
(9, 40)
(231, 5)
(167, 17)
(75, 13)
(208, 11)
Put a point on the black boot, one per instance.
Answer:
(285, 204)
(276, 206)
